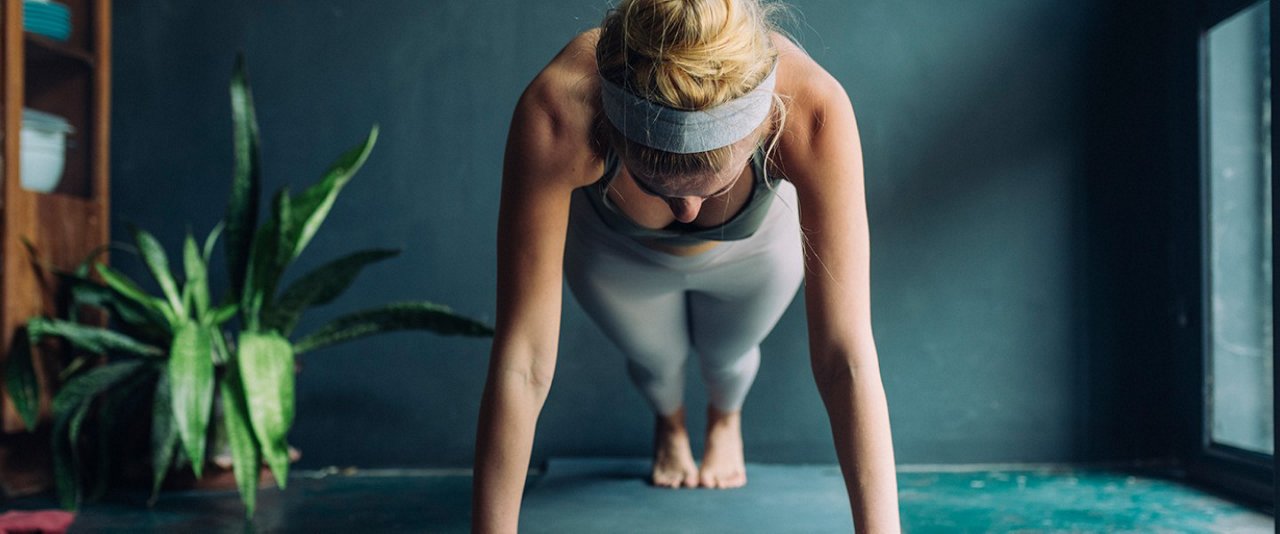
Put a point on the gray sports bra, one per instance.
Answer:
(741, 226)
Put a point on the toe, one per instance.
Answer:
(691, 480)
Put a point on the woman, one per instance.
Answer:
(664, 164)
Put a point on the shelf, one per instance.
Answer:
(41, 48)
(64, 201)
(71, 79)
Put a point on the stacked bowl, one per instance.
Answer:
(46, 17)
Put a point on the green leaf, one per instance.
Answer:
(209, 241)
(286, 236)
(196, 281)
(158, 263)
(191, 380)
(245, 456)
(394, 316)
(90, 338)
(186, 297)
(111, 408)
(312, 207)
(164, 435)
(21, 382)
(87, 292)
(128, 289)
(221, 353)
(294, 222)
(223, 313)
(265, 267)
(83, 266)
(242, 206)
(320, 286)
(69, 408)
(266, 366)
(66, 455)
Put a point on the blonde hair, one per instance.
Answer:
(691, 55)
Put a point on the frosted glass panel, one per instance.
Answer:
(1239, 192)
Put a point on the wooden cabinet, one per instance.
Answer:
(71, 79)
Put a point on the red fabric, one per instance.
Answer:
(36, 521)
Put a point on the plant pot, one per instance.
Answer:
(135, 471)
(219, 475)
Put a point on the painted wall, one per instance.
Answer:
(1014, 267)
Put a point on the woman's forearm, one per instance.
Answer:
(859, 416)
(504, 440)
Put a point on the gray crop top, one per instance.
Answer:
(741, 226)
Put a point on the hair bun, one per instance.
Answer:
(688, 54)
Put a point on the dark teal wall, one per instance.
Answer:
(1016, 228)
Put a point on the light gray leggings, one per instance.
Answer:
(656, 307)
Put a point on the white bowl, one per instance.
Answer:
(42, 160)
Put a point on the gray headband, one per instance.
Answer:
(685, 132)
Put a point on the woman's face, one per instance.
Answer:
(685, 194)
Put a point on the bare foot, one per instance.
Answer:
(722, 463)
(673, 465)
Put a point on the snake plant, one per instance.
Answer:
(180, 345)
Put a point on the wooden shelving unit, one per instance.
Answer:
(70, 79)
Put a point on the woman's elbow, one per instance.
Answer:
(843, 369)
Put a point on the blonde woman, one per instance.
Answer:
(665, 165)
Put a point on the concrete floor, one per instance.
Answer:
(610, 495)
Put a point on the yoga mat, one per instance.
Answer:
(613, 495)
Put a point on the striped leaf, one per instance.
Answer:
(20, 380)
(320, 286)
(191, 380)
(223, 313)
(130, 290)
(266, 366)
(264, 268)
(196, 282)
(164, 435)
(87, 292)
(245, 456)
(69, 408)
(112, 407)
(312, 206)
(91, 338)
(157, 262)
(221, 352)
(242, 207)
(209, 241)
(394, 316)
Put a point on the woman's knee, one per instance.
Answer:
(731, 365)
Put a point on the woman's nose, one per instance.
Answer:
(685, 209)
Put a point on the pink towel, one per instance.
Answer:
(36, 521)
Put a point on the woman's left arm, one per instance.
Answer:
(823, 158)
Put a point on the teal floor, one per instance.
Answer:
(610, 495)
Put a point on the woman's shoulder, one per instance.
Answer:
(569, 80)
(817, 105)
(560, 106)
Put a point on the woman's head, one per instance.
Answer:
(688, 55)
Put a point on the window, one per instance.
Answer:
(1237, 231)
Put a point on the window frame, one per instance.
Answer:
(1240, 472)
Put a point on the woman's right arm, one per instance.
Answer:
(545, 155)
